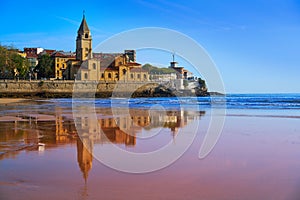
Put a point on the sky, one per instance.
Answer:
(255, 44)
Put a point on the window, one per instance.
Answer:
(138, 76)
(117, 75)
(145, 76)
(86, 35)
(57, 65)
(63, 65)
(94, 65)
(131, 76)
(102, 75)
(109, 75)
(85, 76)
(124, 71)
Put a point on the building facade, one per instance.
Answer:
(60, 63)
(109, 67)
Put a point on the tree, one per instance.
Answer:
(45, 68)
(20, 64)
(5, 72)
(202, 84)
(157, 70)
(11, 63)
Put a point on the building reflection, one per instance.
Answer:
(29, 132)
(84, 156)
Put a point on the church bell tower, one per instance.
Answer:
(83, 41)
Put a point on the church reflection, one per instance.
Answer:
(33, 132)
(84, 156)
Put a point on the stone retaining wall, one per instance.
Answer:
(66, 88)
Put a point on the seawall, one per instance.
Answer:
(66, 89)
(101, 89)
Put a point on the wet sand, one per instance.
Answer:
(257, 157)
(11, 100)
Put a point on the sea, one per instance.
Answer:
(230, 101)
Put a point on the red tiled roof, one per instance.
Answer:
(31, 55)
(57, 54)
(133, 64)
(49, 51)
(60, 54)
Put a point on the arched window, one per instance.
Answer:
(86, 35)
(94, 65)
(131, 76)
(124, 71)
(109, 75)
(85, 76)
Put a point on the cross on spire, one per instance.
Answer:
(173, 55)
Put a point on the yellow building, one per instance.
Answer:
(23, 54)
(84, 67)
(60, 63)
(102, 66)
(121, 69)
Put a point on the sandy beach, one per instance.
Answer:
(256, 157)
(11, 100)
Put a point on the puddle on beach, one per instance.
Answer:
(42, 154)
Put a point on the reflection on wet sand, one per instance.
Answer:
(39, 132)
(84, 156)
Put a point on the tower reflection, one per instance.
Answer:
(84, 156)
(54, 129)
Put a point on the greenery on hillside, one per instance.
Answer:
(12, 65)
(157, 70)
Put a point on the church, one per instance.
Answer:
(108, 67)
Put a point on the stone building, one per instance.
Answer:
(108, 67)
(84, 66)
(181, 72)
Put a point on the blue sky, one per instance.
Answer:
(255, 44)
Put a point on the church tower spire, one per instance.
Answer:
(83, 41)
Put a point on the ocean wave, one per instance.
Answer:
(235, 101)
